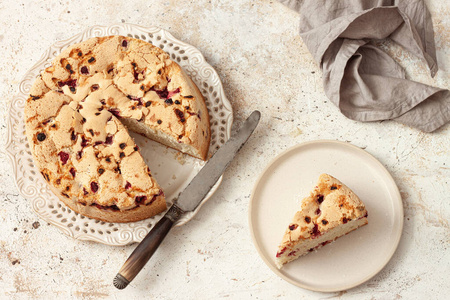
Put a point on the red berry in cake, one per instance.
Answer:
(141, 199)
(109, 140)
(114, 112)
(127, 185)
(84, 70)
(293, 226)
(70, 83)
(73, 172)
(83, 141)
(315, 231)
(324, 243)
(320, 198)
(41, 136)
(94, 186)
(162, 93)
(64, 157)
(180, 115)
(318, 211)
(279, 253)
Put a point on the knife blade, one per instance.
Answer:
(187, 201)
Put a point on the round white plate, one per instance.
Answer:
(351, 259)
(172, 170)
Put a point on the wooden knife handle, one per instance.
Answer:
(146, 248)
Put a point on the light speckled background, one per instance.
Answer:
(255, 48)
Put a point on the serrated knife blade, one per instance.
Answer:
(188, 200)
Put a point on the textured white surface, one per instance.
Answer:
(255, 48)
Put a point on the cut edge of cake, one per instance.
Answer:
(61, 138)
(330, 211)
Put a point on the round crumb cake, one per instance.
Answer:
(78, 116)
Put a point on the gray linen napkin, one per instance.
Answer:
(363, 80)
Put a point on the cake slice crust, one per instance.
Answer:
(330, 211)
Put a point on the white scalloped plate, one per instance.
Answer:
(173, 170)
(351, 259)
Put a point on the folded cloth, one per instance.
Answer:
(360, 78)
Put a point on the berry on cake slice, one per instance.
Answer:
(330, 211)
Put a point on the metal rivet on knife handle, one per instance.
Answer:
(120, 282)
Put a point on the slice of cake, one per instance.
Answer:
(331, 211)
(78, 116)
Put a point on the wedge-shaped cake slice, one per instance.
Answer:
(330, 211)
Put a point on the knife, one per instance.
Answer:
(187, 201)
